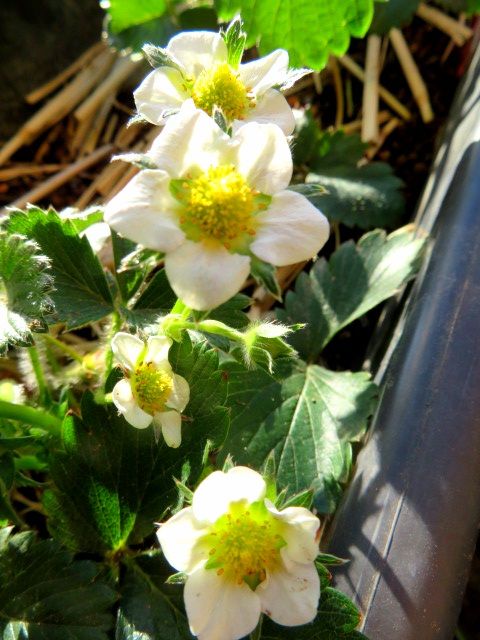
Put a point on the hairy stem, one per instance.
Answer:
(32, 416)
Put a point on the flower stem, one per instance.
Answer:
(71, 353)
(32, 416)
(181, 309)
(116, 325)
(43, 391)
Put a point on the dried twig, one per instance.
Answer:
(262, 300)
(458, 32)
(386, 96)
(93, 135)
(60, 105)
(412, 74)
(50, 86)
(356, 125)
(19, 170)
(384, 133)
(45, 188)
(123, 68)
(370, 89)
(337, 83)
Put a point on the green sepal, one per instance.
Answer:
(235, 38)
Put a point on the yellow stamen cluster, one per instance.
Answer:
(220, 86)
(219, 205)
(245, 543)
(151, 387)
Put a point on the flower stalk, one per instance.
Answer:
(31, 416)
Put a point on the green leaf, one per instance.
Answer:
(128, 13)
(308, 421)
(46, 595)
(81, 291)
(114, 481)
(366, 195)
(128, 280)
(25, 286)
(310, 30)
(468, 6)
(156, 299)
(150, 609)
(158, 30)
(81, 220)
(337, 619)
(394, 13)
(354, 280)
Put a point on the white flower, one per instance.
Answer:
(215, 201)
(202, 72)
(242, 557)
(151, 392)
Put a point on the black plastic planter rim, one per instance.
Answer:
(409, 520)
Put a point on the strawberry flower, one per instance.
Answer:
(150, 391)
(242, 557)
(197, 67)
(213, 203)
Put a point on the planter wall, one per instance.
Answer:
(410, 518)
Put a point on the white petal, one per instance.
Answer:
(161, 91)
(263, 157)
(299, 533)
(271, 108)
(261, 74)
(97, 234)
(180, 395)
(189, 143)
(290, 596)
(157, 350)
(291, 230)
(205, 276)
(123, 399)
(218, 609)
(214, 495)
(127, 349)
(171, 422)
(198, 50)
(178, 538)
(145, 212)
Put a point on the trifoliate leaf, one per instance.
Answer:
(354, 280)
(310, 30)
(366, 195)
(46, 595)
(25, 285)
(307, 420)
(394, 13)
(113, 481)
(150, 609)
(81, 291)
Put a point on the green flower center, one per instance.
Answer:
(220, 86)
(245, 543)
(220, 206)
(151, 387)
